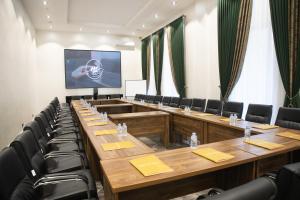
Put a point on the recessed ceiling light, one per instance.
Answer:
(80, 29)
(156, 16)
(48, 16)
(143, 26)
(174, 3)
(45, 3)
(51, 27)
(107, 31)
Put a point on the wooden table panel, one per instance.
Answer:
(115, 108)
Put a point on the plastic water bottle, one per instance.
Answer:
(235, 118)
(102, 116)
(194, 141)
(231, 119)
(120, 129)
(124, 127)
(188, 109)
(105, 117)
(185, 109)
(247, 133)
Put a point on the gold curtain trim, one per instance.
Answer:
(243, 28)
(168, 29)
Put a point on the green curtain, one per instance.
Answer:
(285, 16)
(145, 57)
(234, 17)
(176, 47)
(158, 50)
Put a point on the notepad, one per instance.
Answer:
(264, 144)
(265, 126)
(84, 111)
(106, 132)
(289, 135)
(203, 114)
(228, 119)
(87, 114)
(97, 123)
(117, 145)
(150, 165)
(213, 155)
(91, 119)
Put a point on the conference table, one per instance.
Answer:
(190, 172)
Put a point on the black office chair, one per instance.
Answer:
(175, 102)
(185, 102)
(101, 96)
(150, 99)
(115, 96)
(288, 182)
(87, 97)
(259, 113)
(198, 105)
(166, 101)
(213, 106)
(157, 99)
(288, 118)
(233, 108)
(137, 97)
(17, 185)
(262, 188)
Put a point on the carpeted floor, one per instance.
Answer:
(156, 145)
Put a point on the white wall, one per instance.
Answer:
(18, 66)
(201, 46)
(51, 74)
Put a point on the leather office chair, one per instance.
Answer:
(288, 118)
(175, 102)
(157, 99)
(166, 101)
(115, 96)
(213, 106)
(137, 97)
(262, 188)
(198, 105)
(259, 113)
(288, 182)
(102, 97)
(150, 99)
(185, 102)
(17, 185)
(233, 108)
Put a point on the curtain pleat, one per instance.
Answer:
(158, 49)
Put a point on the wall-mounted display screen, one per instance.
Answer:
(92, 69)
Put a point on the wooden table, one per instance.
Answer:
(115, 108)
(104, 101)
(145, 123)
(93, 147)
(193, 173)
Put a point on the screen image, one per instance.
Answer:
(92, 69)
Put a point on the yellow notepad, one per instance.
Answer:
(204, 114)
(213, 155)
(289, 135)
(84, 111)
(117, 145)
(97, 123)
(91, 119)
(87, 114)
(264, 144)
(106, 132)
(265, 126)
(150, 165)
(227, 119)
(81, 109)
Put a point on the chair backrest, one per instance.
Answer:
(102, 96)
(166, 101)
(150, 99)
(185, 102)
(262, 188)
(175, 101)
(233, 108)
(259, 113)
(157, 99)
(137, 97)
(198, 105)
(115, 96)
(29, 152)
(288, 182)
(44, 124)
(15, 184)
(288, 118)
(213, 106)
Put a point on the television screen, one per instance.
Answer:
(92, 69)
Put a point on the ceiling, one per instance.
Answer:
(116, 17)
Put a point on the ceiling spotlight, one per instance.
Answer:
(107, 31)
(80, 29)
(48, 16)
(174, 3)
(51, 27)
(143, 26)
(156, 16)
(45, 3)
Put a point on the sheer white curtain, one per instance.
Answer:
(260, 81)
(152, 86)
(167, 84)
